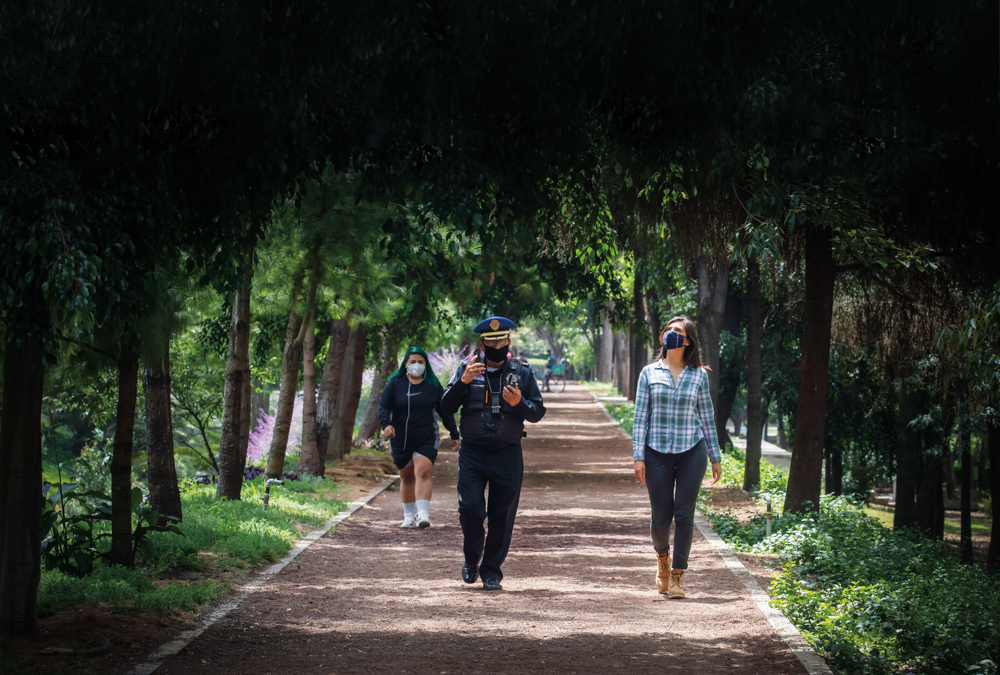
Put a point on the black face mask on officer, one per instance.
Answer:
(495, 354)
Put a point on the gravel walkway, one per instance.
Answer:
(579, 591)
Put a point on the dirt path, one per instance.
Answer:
(579, 593)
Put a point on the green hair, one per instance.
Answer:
(429, 375)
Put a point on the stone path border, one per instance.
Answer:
(812, 661)
(807, 656)
(157, 658)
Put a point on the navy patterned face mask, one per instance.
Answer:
(673, 340)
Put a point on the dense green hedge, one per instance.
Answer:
(873, 600)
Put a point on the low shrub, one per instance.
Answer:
(874, 600)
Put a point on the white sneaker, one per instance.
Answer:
(423, 520)
(408, 523)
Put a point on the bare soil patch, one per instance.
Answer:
(117, 640)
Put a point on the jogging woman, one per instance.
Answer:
(406, 412)
(673, 437)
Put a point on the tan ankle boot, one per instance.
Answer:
(675, 587)
(663, 572)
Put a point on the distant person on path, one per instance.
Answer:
(673, 436)
(497, 395)
(406, 412)
(550, 363)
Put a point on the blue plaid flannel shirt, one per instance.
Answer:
(672, 418)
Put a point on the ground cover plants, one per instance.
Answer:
(869, 599)
(215, 538)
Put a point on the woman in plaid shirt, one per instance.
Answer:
(673, 437)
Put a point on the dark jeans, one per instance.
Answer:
(665, 472)
(502, 469)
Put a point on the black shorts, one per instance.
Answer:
(402, 458)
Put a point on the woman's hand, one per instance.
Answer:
(455, 443)
(389, 432)
(640, 471)
(716, 473)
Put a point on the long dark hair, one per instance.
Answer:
(692, 351)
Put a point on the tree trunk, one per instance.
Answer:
(654, 321)
(993, 447)
(606, 362)
(637, 343)
(246, 407)
(390, 347)
(621, 362)
(755, 373)
(232, 450)
(20, 482)
(260, 402)
(964, 443)
(713, 280)
(727, 397)
(982, 479)
(164, 493)
(908, 457)
(949, 475)
(782, 439)
(309, 462)
(930, 501)
(834, 471)
(806, 474)
(353, 400)
(335, 448)
(329, 385)
(289, 384)
(121, 459)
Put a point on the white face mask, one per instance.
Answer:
(415, 369)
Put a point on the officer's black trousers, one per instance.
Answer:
(502, 469)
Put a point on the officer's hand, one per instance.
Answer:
(512, 395)
(640, 471)
(455, 443)
(389, 432)
(473, 369)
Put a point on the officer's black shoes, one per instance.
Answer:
(491, 584)
(470, 573)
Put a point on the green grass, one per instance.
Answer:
(952, 525)
(601, 388)
(623, 413)
(882, 516)
(238, 534)
(124, 589)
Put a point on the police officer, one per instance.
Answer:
(497, 395)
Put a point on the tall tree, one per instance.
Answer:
(755, 417)
(236, 403)
(164, 492)
(806, 473)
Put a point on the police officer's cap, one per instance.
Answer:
(494, 327)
